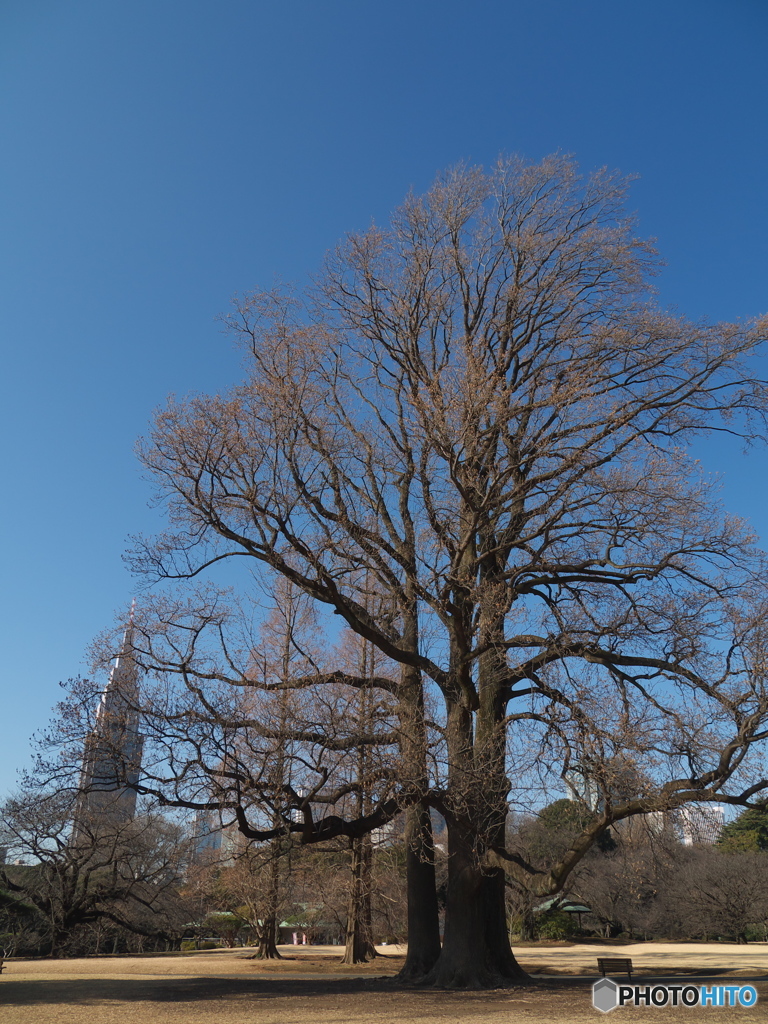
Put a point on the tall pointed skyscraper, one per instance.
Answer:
(112, 754)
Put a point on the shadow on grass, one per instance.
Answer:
(93, 991)
(96, 990)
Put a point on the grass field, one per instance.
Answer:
(311, 987)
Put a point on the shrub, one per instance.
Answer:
(555, 925)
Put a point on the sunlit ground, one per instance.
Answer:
(311, 987)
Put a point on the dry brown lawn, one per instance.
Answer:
(311, 987)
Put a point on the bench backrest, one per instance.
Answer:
(614, 965)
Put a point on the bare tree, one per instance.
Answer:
(720, 893)
(79, 869)
(284, 639)
(626, 885)
(480, 411)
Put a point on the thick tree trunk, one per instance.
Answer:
(423, 918)
(496, 930)
(476, 951)
(268, 930)
(423, 915)
(268, 939)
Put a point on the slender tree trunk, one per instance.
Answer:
(359, 938)
(267, 932)
(367, 871)
(528, 925)
(359, 946)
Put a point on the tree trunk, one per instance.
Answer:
(268, 931)
(367, 876)
(423, 918)
(528, 924)
(476, 951)
(268, 939)
(359, 946)
(423, 915)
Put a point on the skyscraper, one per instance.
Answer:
(207, 838)
(112, 752)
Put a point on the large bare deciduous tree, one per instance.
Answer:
(479, 411)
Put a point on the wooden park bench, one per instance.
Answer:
(615, 965)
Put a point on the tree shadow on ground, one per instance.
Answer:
(85, 991)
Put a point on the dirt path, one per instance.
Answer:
(226, 987)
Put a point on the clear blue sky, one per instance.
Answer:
(160, 155)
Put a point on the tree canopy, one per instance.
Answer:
(469, 441)
(749, 832)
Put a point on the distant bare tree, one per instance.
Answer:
(626, 885)
(365, 711)
(79, 869)
(721, 894)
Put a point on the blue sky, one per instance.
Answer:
(161, 155)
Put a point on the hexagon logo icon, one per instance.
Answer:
(605, 995)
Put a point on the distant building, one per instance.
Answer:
(112, 751)
(700, 823)
(690, 825)
(594, 781)
(582, 788)
(207, 834)
(659, 822)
